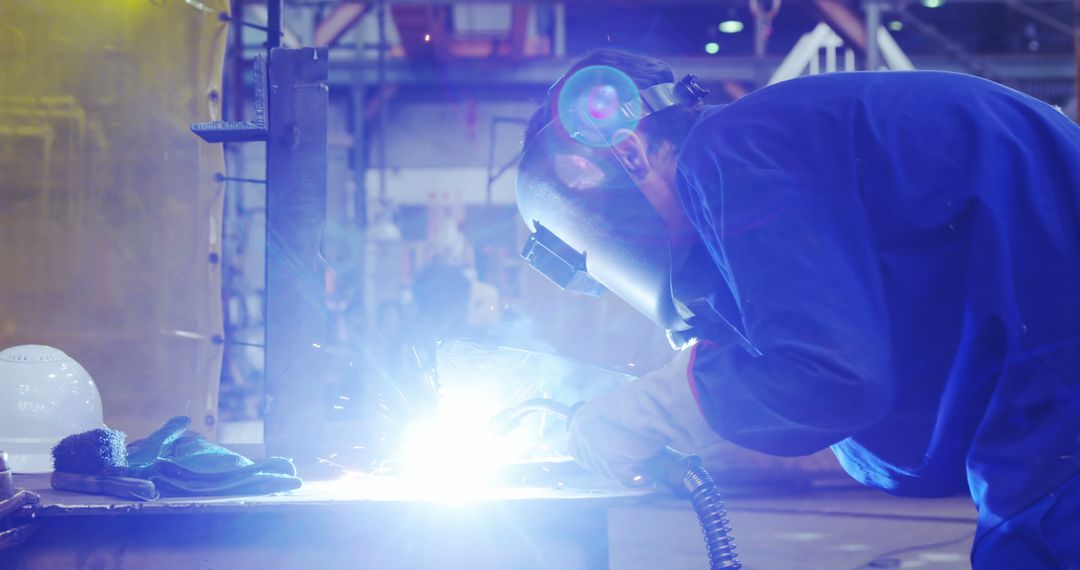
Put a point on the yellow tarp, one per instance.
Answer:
(110, 218)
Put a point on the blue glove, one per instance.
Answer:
(181, 462)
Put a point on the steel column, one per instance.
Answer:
(873, 22)
(273, 24)
(296, 313)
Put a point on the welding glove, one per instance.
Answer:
(181, 462)
(617, 433)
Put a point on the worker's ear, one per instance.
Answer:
(631, 151)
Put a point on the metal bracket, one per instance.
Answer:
(240, 131)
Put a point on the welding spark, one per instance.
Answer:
(399, 392)
(431, 384)
(525, 390)
(186, 334)
(417, 355)
(333, 464)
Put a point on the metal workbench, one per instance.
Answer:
(366, 522)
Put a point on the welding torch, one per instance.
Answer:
(683, 474)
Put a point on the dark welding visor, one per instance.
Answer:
(592, 227)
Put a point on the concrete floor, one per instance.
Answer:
(844, 528)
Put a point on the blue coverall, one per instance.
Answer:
(900, 252)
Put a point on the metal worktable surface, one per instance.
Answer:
(367, 522)
(358, 493)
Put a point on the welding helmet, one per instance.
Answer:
(592, 228)
(45, 396)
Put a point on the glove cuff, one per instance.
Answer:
(684, 425)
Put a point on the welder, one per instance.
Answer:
(884, 263)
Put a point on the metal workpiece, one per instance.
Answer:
(296, 313)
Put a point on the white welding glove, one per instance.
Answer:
(616, 433)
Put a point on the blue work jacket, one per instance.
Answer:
(900, 255)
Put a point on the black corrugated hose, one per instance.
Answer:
(705, 497)
(688, 479)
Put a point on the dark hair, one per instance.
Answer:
(670, 125)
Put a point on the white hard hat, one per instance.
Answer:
(45, 396)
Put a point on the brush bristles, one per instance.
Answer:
(95, 452)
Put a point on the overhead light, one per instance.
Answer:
(933, 3)
(731, 26)
(712, 48)
(896, 25)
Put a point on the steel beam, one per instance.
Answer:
(530, 72)
(612, 3)
(296, 314)
(338, 22)
(844, 21)
(714, 70)
(529, 2)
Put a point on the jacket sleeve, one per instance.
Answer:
(794, 246)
